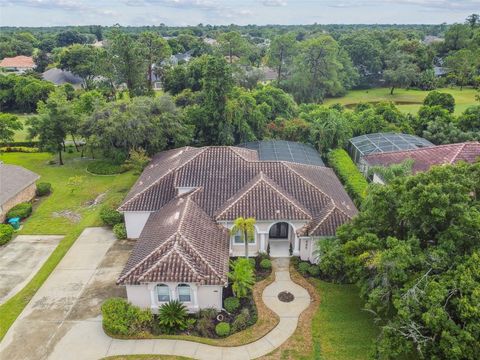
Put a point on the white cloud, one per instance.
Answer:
(274, 3)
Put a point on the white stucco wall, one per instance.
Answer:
(202, 296)
(139, 295)
(210, 297)
(134, 223)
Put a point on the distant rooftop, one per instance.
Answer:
(18, 62)
(281, 150)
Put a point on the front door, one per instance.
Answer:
(278, 240)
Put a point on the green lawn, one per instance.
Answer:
(341, 330)
(63, 212)
(21, 135)
(406, 100)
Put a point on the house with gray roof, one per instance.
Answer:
(60, 77)
(17, 185)
(183, 205)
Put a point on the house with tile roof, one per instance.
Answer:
(181, 208)
(18, 64)
(424, 158)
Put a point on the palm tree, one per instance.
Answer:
(246, 227)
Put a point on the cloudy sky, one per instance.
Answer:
(192, 12)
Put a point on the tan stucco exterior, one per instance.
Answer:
(26, 194)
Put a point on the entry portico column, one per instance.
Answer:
(296, 246)
(263, 241)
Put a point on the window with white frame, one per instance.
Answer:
(163, 293)
(238, 238)
(184, 293)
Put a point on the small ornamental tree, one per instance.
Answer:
(242, 277)
(246, 227)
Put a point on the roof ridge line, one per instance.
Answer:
(162, 258)
(198, 254)
(324, 218)
(146, 257)
(262, 178)
(316, 187)
(161, 177)
(457, 153)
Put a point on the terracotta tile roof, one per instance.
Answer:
(263, 199)
(176, 245)
(181, 240)
(224, 173)
(18, 62)
(425, 158)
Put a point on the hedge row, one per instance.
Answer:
(353, 180)
(23, 149)
(23, 143)
(102, 167)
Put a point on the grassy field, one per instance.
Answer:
(341, 330)
(21, 135)
(63, 212)
(406, 100)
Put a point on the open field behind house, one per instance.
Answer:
(408, 101)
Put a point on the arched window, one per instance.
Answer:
(184, 293)
(163, 293)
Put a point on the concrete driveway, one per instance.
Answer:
(20, 260)
(73, 293)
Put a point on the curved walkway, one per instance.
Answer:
(86, 340)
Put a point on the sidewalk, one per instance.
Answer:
(86, 339)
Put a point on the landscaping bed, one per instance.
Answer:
(248, 320)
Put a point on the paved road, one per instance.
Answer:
(73, 292)
(99, 345)
(20, 260)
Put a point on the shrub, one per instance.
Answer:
(435, 98)
(22, 210)
(294, 260)
(242, 277)
(266, 264)
(314, 270)
(22, 149)
(120, 231)
(208, 313)
(355, 183)
(43, 189)
(222, 329)
(241, 322)
(122, 318)
(6, 233)
(303, 267)
(231, 304)
(263, 255)
(110, 216)
(102, 167)
(173, 317)
(253, 262)
(205, 327)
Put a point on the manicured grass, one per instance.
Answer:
(341, 330)
(407, 100)
(63, 212)
(21, 135)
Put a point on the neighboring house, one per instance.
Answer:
(439, 71)
(268, 74)
(181, 207)
(430, 39)
(360, 146)
(424, 159)
(17, 185)
(210, 41)
(60, 77)
(18, 64)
